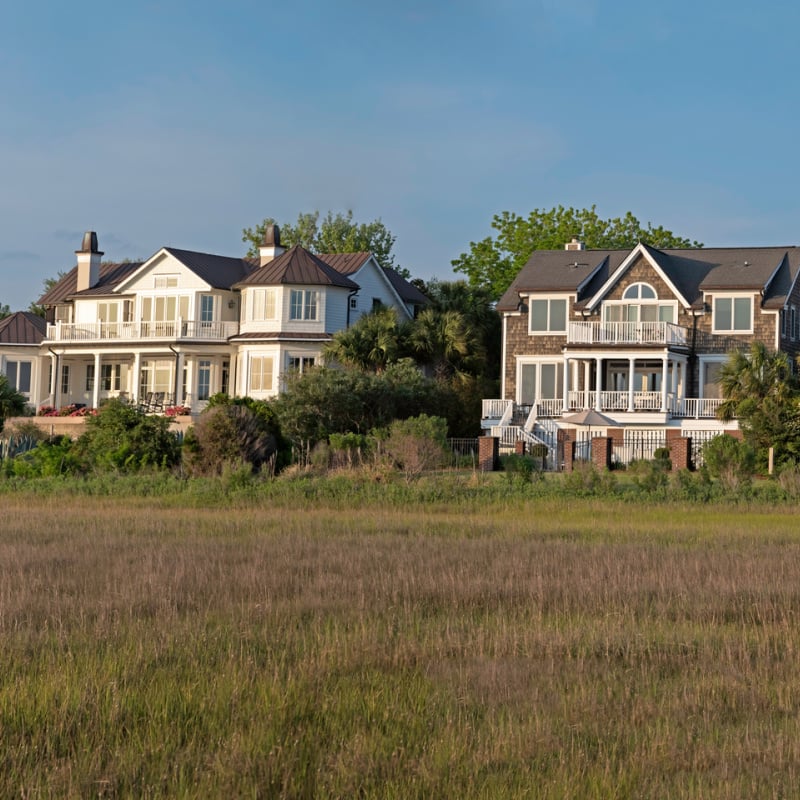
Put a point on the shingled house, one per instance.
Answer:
(636, 335)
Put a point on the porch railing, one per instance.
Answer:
(626, 333)
(698, 408)
(144, 330)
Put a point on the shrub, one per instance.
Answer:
(417, 444)
(229, 435)
(122, 438)
(729, 461)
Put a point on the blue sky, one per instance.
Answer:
(180, 123)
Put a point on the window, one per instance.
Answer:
(262, 304)
(301, 363)
(165, 281)
(206, 308)
(303, 304)
(90, 377)
(19, 375)
(639, 291)
(65, 379)
(353, 303)
(226, 377)
(261, 374)
(793, 323)
(733, 314)
(547, 316)
(110, 377)
(203, 380)
(377, 305)
(645, 307)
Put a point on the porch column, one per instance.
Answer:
(631, 376)
(598, 365)
(587, 380)
(179, 379)
(137, 368)
(664, 365)
(682, 406)
(565, 399)
(53, 379)
(96, 386)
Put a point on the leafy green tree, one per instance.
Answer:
(5, 310)
(371, 344)
(334, 234)
(494, 262)
(47, 285)
(729, 461)
(12, 403)
(762, 393)
(122, 438)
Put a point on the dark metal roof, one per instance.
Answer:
(111, 275)
(280, 336)
(345, 263)
(297, 266)
(22, 327)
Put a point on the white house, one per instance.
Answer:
(184, 325)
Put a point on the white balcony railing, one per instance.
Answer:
(626, 333)
(698, 408)
(159, 330)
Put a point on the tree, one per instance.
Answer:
(335, 234)
(371, 344)
(494, 263)
(122, 438)
(761, 392)
(445, 341)
(12, 403)
(47, 285)
(5, 310)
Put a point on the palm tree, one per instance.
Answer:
(761, 392)
(371, 344)
(445, 341)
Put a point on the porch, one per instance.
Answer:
(144, 331)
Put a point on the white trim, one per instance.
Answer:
(549, 298)
(639, 250)
(732, 296)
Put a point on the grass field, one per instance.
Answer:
(512, 647)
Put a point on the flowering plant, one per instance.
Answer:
(177, 411)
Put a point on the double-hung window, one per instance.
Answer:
(547, 315)
(19, 375)
(261, 373)
(733, 314)
(303, 304)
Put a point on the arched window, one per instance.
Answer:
(640, 304)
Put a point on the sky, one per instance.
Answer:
(179, 123)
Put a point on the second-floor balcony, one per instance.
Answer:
(627, 333)
(173, 330)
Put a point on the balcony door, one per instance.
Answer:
(160, 315)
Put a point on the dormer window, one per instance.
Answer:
(547, 315)
(733, 314)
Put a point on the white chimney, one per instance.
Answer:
(271, 245)
(88, 262)
(575, 244)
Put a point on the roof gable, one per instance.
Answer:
(111, 275)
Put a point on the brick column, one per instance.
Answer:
(569, 455)
(519, 447)
(680, 452)
(601, 452)
(488, 449)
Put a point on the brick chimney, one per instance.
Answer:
(271, 244)
(88, 262)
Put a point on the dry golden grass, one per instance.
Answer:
(541, 648)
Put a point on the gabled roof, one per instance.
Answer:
(219, 272)
(407, 291)
(591, 274)
(111, 275)
(22, 327)
(297, 266)
(346, 263)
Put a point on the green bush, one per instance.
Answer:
(417, 444)
(729, 461)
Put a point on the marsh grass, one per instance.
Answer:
(158, 647)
